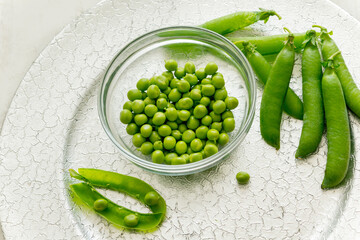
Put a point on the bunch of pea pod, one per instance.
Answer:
(326, 94)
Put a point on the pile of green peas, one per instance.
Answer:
(180, 116)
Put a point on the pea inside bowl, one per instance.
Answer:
(145, 57)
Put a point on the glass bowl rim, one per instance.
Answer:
(189, 168)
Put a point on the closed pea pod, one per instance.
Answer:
(313, 124)
(338, 129)
(351, 91)
(292, 103)
(238, 20)
(275, 92)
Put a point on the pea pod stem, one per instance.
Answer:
(238, 20)
(338, 129)
(350, 90)
(274, 94)
(313, 124)
(292, 103)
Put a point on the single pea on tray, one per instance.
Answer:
(181, 116)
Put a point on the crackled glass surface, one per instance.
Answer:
(145, 57)
(52, 125)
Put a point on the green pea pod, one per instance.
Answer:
(274, 93)
(232, 22)
(313, 125)
(115, 213)
(292, 104)
(122, 183)
(269, 44)
(351, 91)
(338, 129)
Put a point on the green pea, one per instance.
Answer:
(150, 110)
(185, 103)
(149, 101)
(182, 128)
(169, 142)
(178, 121)
(134, 94)
(217, 126)
(163, 95)
(152, 80)
(197, 87)
(195, 94)
(127, 105)
(138, 140)
(196, 145)
(183, 115)
(174, 95)
(169, 157)
(126, 116)
(189, 151)
(167, 91)
(220, 94)
(206, 120)
(169, 75)
(176, 134)
(161, 103)
(170, 105)
(200, 111)
(201, 132)
(227, 114)
(138, 106)
(242, 177)
(173, 83)
(162, 82)
(231, 102)
(171, 65)
(189, 67)
(212, 134)
(178, 161)
(153, 91)
(188, 136)
(191, 79)
(205, 81)
(164, 130)
(131, 220)
(229, 124)
(157, 156)
(158, 145)
(183, 86)
(215, 117)
(144, 95)
(211, 68)
(172, 125)
(140, 119)
(100, 204)
(200, 73)
(218, 81)
(208, 90)
(159, 118)
(151, 198)
(210, 149)
(205, 101)
(181, 147)
(223, 138)
(193, 123)
(219, 106)
(146, 130)
(194, 157)
(180, 72)
(146, 148)
(154, 137)
(211, 105)
(132, 128)
(143, 84)
(171, 114)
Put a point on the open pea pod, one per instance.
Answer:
(130, 185)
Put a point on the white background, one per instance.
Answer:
(26, 27)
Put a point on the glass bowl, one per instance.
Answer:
(144, 57)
